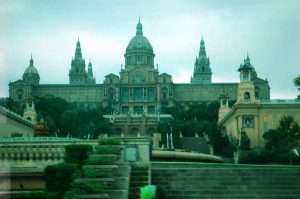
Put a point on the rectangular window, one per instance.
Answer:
(125, 109)
(151, 109)
(138, 109)
(248, 121)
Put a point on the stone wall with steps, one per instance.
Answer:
(254, 183)
(138, 178)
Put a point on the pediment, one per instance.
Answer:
(19, 82)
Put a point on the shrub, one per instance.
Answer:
(77, 153)
(99, 161)
(58, 177)
(88, 187)
(96, 173)
(71, 195)
(108, 150)
(109, 141)
(245, 141)
(255, 157)
(41, 195)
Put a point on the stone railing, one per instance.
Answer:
(33, 151)
(39, 152)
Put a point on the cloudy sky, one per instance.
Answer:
(269, 30)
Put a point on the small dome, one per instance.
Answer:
(31, 74)
(31, 70)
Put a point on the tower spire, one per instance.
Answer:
(202, 71)
(31, 60)
(139, 28)
(202, 51)
(247, 60)
(78, 53)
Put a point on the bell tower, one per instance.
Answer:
(246, 92)
(30, 112)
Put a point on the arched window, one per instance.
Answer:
(247, 96)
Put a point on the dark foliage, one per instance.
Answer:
(41, 195)
(58, 177)
(245, 141)
(77, 153)
(64, 118)
(285, 137)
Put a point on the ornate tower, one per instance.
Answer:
(224, 108)
(31, 74)
(202, 71)
(30, 113)
(77, 73)
(90, 76)
(246, 92)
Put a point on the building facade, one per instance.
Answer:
(139, 87)
(251, 115)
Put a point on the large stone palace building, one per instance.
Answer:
(139, 88)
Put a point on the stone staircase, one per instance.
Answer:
(138, 178)
(105, 174)
(228, 183)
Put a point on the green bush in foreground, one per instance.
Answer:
(59, 177)
(96, 173)
(99, 161)
(88, 187)
(265, 157)
(77, 153)
(109, 141)
(108, 150)
(41, 195)
(255, 157)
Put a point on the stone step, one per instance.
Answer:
(93, 196)
(234, 192)
(228, 183)
(229, 187)
(139, 177)
(238, 196)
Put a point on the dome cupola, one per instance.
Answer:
(139, 51)
(31, 74)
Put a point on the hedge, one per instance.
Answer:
(41, 195)
(77, 153)
(109, 141)
(59, 177)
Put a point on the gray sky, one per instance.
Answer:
(269, 30)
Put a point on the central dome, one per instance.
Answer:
(139, 50)
(139, 41)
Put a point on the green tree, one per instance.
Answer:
(281, 140)
(245, 141)
(13, 106)
(297, 84)
(285, 136)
